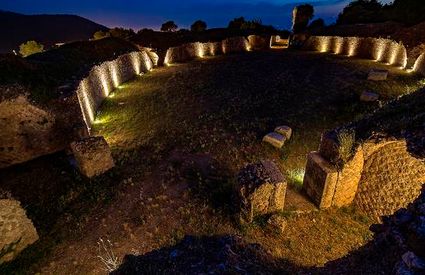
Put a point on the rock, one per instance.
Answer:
(277, 223)
(369, 97)
(16, 231)
(260, 189)
(320, 180)
(284, 131)
(257, 42)
(93, 156)
(377, 75)
(275, 139)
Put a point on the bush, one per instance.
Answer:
(30, 47)
(346, 139)
(100, 34)
(169, 26)
(198, 26)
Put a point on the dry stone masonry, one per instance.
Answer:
(260, 189)
(381, 176)
(16, 231)
(93, 156)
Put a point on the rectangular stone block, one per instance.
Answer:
(275, 139)
(284, 131)
(93, 156)
(377, 75)
(320, 180)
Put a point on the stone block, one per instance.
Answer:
(369, 97)
(16, 231)
(329, 147)
(377, 75)
(274, 139)
(93, 156)
(260, 189)
(320, 180)
(284, 131)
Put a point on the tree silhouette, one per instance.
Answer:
(169, 26)
(122, 33)
(301, 15)
(30, 47)
(198, 26)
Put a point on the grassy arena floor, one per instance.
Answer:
(180, 134)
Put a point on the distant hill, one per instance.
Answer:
(47, 29)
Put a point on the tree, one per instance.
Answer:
(100, 34)
(318, 23)
(30, 47)
(301, 15)
(169, 26)
(237, 23)
(361, 11)
(122, 33)
(198, 26)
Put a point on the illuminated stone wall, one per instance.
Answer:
(419, 66)
(106, 77)
(378, 49)
(381, 177)
(195, 50)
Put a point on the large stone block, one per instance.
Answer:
(284, 131)
(369, 97)
(93, 156)
(261, 189)
(320, 180)
(16, 231)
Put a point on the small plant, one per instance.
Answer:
(107, 255)
(296, 178)
(346, 139)
(30, 47)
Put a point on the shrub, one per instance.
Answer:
(346, 139)
(30, 47)
(198, 26)
(100, 34)
(169, 26)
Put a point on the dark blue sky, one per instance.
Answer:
(138, 14)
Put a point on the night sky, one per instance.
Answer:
(151, 14)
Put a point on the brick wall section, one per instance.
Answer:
(391, 178)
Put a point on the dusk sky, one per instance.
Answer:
(139, 14)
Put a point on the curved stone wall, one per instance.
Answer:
(195, 50)
(391, 178)
(104, 78)
(379, 49)
(420, 65)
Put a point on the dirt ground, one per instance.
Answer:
(179, 135)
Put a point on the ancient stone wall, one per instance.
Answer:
(379, 49)
(105, 78)
(381, 177)
(195, 50)
(420, 65)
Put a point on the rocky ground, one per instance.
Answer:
(179, 135)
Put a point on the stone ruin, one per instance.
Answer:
(380, 177)
(16, 230)
(93, 156)
(260, 190)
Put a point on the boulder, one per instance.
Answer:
(320, 180)
(377, 75)
(16, 231)
(277, 223)
(275, 139)
(260, 189)
(284, 131)
(369, 97)
(93, 156)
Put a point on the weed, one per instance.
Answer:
(107, 256)
(296, 178)
(346, 139)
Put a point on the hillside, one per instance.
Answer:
(47, 29)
